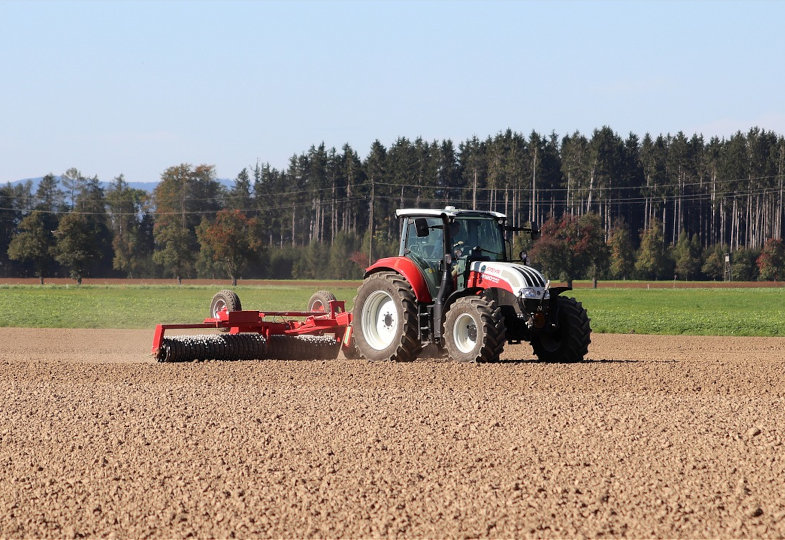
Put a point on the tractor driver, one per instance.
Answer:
(459, 237)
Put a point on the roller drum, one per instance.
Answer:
(212, 347)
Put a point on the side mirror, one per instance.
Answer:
(524, 258)
(421, 224)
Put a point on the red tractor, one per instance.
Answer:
(454, 286)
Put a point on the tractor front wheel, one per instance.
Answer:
(570, 341)
(474, 330)
(385, 321)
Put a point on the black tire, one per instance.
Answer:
(474, 330)
(320, 301)
(385, 321)
(570, 342)
(224, 299)
(283, 347)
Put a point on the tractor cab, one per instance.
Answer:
(433, 238)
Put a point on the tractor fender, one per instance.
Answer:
(410, 271)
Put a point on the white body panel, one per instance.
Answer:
(524, 281)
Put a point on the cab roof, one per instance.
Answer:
(449, 211)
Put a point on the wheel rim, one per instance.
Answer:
(218, 306)
(465, 333)
(379, 320)
(317, 306)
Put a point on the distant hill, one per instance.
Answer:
(145, 186)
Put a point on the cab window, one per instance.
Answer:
(427, 247)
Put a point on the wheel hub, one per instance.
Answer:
(379, 320)
(219, 306)
(465, 332)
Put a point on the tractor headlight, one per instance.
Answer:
(530, 293)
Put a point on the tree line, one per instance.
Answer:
(652, 208)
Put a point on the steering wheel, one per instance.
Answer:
(424, 251)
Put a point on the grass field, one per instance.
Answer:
(705, 312)
(733, 312)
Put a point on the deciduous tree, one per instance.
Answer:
(772, 260)
(687, 256)
(571, 247)
(653, 261)
(34, 243)
(76, 247)
(622, 254)
(231, 241)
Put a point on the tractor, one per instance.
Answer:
(454, 287)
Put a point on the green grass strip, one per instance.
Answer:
(722, 312)
(59, 306)
(701, 312)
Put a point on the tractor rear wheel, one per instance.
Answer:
(474, 330)
(224, 299)
(570, 342)
(385, 320)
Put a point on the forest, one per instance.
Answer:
(609, 207)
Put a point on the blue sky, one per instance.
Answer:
(135, 87)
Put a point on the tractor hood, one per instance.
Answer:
(521, 280)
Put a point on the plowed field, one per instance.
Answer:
(656, 437)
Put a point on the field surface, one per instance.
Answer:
(655, 437)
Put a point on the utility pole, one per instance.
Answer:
(474, 191)
(370, 223)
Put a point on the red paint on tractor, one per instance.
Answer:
(409, 270)
(484, 280)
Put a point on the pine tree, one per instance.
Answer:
(127, 207)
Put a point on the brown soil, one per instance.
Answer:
(657, 437)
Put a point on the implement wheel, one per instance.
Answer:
(385, 320)
(570, 342)
(474, 330)
(320, 301)
(224, 299)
